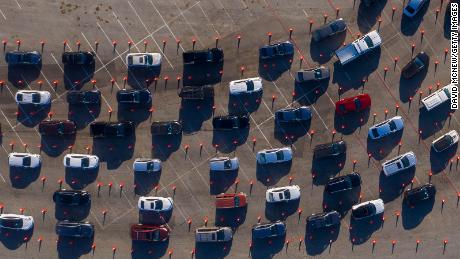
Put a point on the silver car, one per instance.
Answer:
(313, 75)
(399, 163)
(300, 114)
(386, 128)
(445, 141)
(213, 234)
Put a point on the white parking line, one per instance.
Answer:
(124, 29)
(11, 125)
(165, 23)
(226, 12)
(1, 12)
(18, 4)
(209, 20)
(191, 28)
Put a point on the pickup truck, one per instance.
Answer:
(437, 98)
(213, 234)
(214, 55)
(352, 51)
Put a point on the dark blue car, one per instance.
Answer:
(23, 58)
(268, 230)
(275, 50)
(74, 229)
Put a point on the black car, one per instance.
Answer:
(214, 55)
(112, 129)
(89, 97)
(230, 122)
(419, 194)
(134, 98)
(78, 58)
(23, 58)
(196, 92)
(417, 64)
(329, 150)
(343, 183)
(67, 228)
(161, 128)
(323, 220)
(369, 3)
(329, 29)
(71, 198)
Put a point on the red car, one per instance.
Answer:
(353, 104)
(57, 127)
(229, 201)
(149, 233)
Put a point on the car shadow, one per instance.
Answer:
(288, 134)
(440, 161)
(323, 169)
(281, 210)
(136, 115)
(145, 182)
(193, 113)
(31, 115)
(410, 25)
(271, 174)
(75, 76)
(341, 202)
(73, 248)
(21, 178)
(408, 87)
(142, 78)
(272, 69)
(227, 141)
(351, 75)
(54, 146)
(244, 104)
(368, 16)
(154, 217)
(78, 179)
(13, 239)
(431, 122)
(381, 148)
(391, 187)
(413, 216)
(83, 115)
(233, 218)
(447, 22)
(72, 213)
(323, 51)
(317, 241)
(212, 250)
(202, 74)
(349, 123)
(307, 94)
(145, 249)
(114, 151)
(164, 146)
(20, 76)
(361, 230)
(220, 181)
(266, 248)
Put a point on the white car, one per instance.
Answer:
(158, 204)
(33, 97)
(399, 163)
(283, 194)
(143, 60)
(213, 234)
(386, 128)
(367, 209)
(224, 164)
(437, 98)
(81, 161)
(24, 160)
(276, 155)
(147, 165)
(445, 141)
(16, 222)
(246, 86)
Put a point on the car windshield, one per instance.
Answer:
(154, 235)
(368, 41)
(220, 235)
(419, 62)
(279, 155)
(318, 74)
(149, 60)
(150, 166)
(26, 161)
(405, 161)
(237, 201)
(375, 132)
(35, 98)
(227, 164)
(364, 211)
(271, 196)
(158, 205)
(273, 230)
(85, 162)
(287, 194)
(447, 92)
(130, 60)
(11, 222)
(263, 158)
(392, 125)
(335, 26)
(19, 97)
(342, 107)
(298, 113)
(410, 9)
(250, 85)
(60, 128)
(169, 128)
(335, 148)
(300, 75)
(358, 104)
(67, 160)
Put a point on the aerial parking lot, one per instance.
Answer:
(246, 98)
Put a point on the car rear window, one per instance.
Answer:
(250, 85)
(279, 155)
(85, 162)
(26, 161)
(410, 9)
(443, 143)
(318, 74)
(392, 125)
(405, 161)
(36, 98)
(368, 41)
(11, 222)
